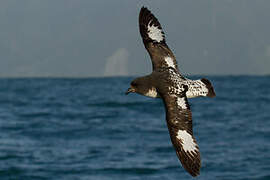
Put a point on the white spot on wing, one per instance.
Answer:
(155, 33)
(152, 93)
(169, 62)
(187, 141)
(181, 103)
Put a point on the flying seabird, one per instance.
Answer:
(166, 82)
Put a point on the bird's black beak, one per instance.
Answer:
(130, 90)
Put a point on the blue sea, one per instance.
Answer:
(84, 129)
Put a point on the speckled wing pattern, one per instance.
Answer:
(179, 121)
(154, 41)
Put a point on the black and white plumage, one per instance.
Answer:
(167, 83)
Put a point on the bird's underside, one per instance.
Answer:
(167, 83)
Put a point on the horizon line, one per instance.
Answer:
(120, 76)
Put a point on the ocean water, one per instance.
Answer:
(81, 129)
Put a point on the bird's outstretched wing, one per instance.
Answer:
(179, 121)
(154, 41)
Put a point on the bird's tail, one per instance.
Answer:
(201, 87)
(207, 83)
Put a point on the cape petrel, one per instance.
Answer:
(167, 83)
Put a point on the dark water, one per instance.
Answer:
(80, 129)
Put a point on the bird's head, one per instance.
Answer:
(138, 85)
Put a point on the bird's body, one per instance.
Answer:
(172, 79)
(166, 82)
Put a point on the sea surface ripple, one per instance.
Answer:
(67, 129)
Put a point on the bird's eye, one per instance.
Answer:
(133, 84)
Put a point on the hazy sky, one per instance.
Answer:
(82, 38)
